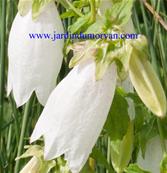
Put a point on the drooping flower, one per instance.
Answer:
(77, 109)
(34, 63)
(75, 114)
(153, 156)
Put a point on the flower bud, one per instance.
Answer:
(33, 166)
(147, 84)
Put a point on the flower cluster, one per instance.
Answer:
(76, 109)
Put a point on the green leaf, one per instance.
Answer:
(125, 55)
(148, 130)
(87, 169)
(141, 112)
(120, 13)
(118, 119)
(134, 168)
(100, 158)
(101, 61)
(80, 22)
(63, 3)
(164, 126)
(95, 28)
(67, 14)
(33, 150)
(163, 165)
(121, 150)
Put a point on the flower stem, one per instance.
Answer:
(163, 145)
(2, 58)
(93, 10)
(23, 130)
(74, 9)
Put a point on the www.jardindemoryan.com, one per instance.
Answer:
(57, 36)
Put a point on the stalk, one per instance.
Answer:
(2, 58)
(74, 9)
(108, 152)
(23, 130)
(93, 10)
(163, 58)
(9, 138)
(152, 50)
(2, 71)
(163, 145)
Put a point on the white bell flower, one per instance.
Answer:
(75, 114)
(34, 64)
(153, 156)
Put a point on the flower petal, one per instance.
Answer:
(75, 114)
(153, 156)
(34, 63)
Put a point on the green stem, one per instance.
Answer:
(23, 130)
(9, 139)
(163, 145)
(162, 57)
(93, 10)
(2, 70)
(74, 9)
(2, 58)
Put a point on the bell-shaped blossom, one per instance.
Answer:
(153, 156)
(34, 64)
(75, 114)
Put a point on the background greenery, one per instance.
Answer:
(16, 124)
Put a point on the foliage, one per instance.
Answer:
(121, 138)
